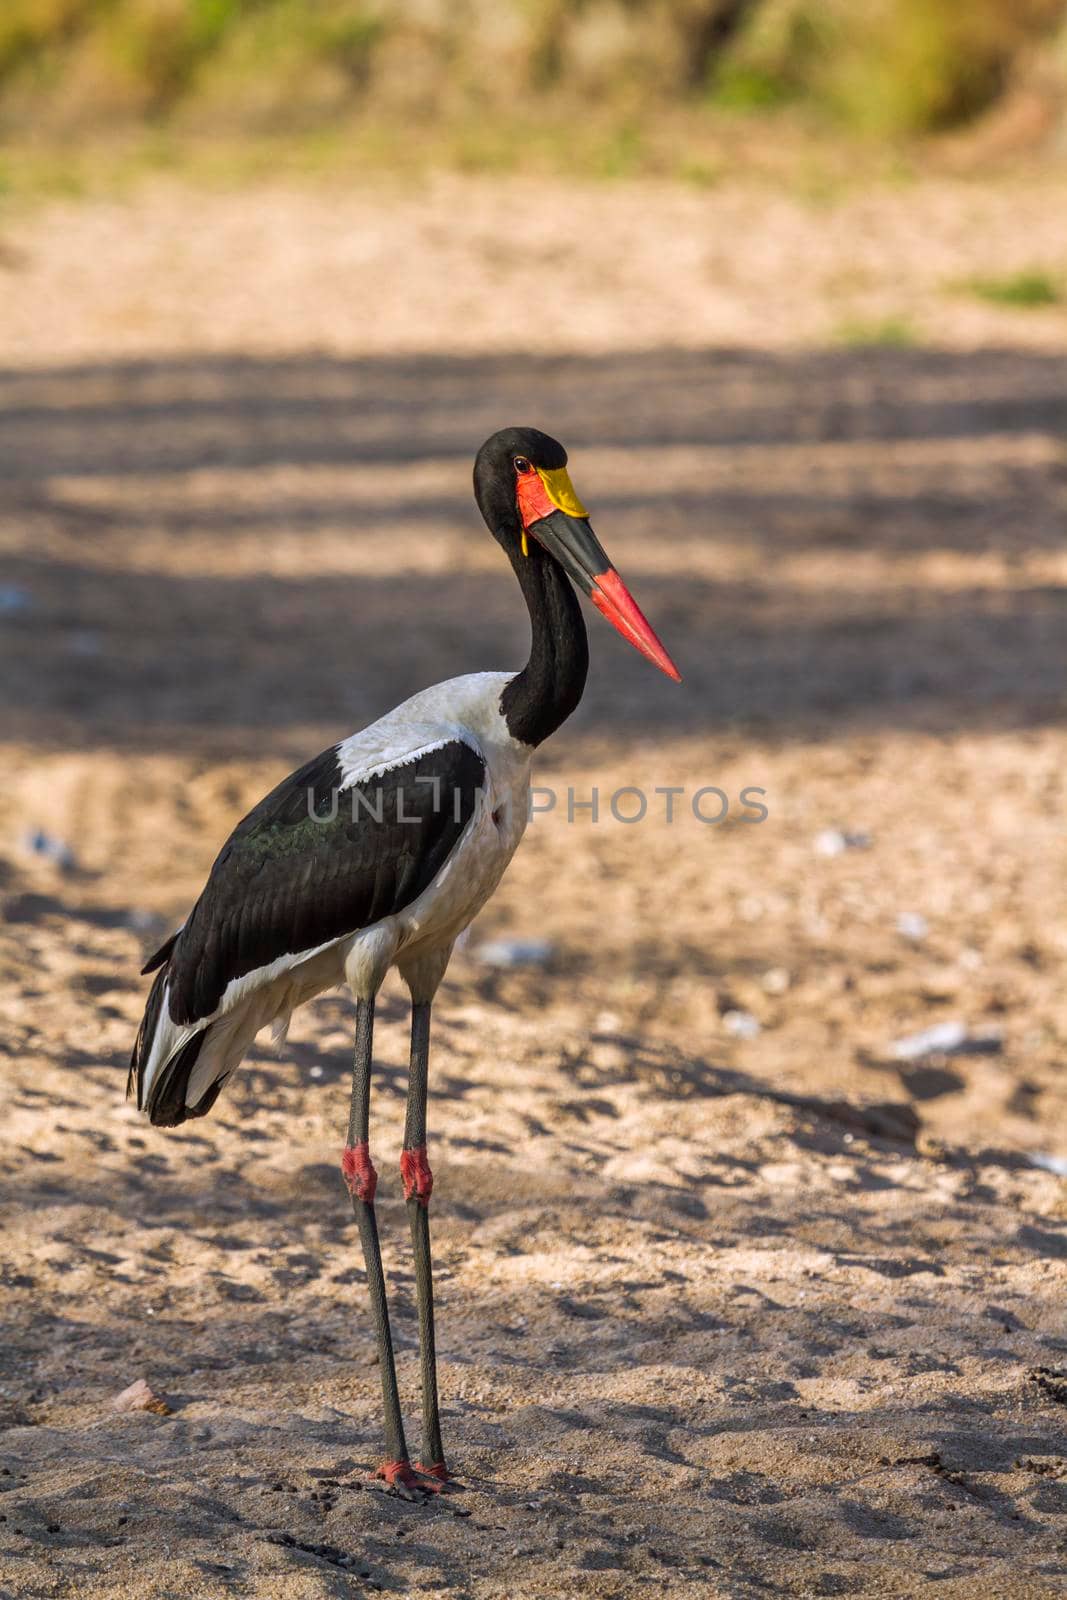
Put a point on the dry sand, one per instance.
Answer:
(719, 1315)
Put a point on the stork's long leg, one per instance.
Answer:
(362, 1181)
(418, 1185)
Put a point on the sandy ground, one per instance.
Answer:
(722, 1315)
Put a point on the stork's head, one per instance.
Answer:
(526, 496)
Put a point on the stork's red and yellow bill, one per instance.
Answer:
(552, 514)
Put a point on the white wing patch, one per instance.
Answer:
(354, 761)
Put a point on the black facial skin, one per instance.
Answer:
(494, 475)
(504, 458)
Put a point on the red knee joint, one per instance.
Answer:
(415, 1171)
(359, 1173)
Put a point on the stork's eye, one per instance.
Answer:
(522, 465)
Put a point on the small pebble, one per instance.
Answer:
(39, 843)
(832, 842)
(140, 1397)
(942, 1037)
(912, 925)
(741, 1024)
(515, 953)
(776, 980)
(1056, 1164)
(947, 1039)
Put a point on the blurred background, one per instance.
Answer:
(749, 1139)
(491, 84)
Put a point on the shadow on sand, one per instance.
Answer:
(113, 651)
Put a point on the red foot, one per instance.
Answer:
(438, 1471)
(359, 1173)
(415, 1171)
(410, 1482)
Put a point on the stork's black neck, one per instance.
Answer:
(549, 687)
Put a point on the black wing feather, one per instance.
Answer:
(162, 955)
(312, 863)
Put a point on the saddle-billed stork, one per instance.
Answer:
(378, 853)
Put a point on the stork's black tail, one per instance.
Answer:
(163, 1096)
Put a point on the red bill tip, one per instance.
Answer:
(614, 600)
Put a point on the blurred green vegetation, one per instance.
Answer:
(885, 67)
(1028, 290)
(891, 66)
(892, 333)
